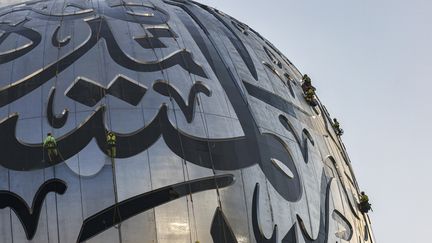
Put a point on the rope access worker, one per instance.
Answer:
(365, 206)
(307, 84)
(309, 96)
(50, 145)
(111, 142)
(363, 197)
(336, 127)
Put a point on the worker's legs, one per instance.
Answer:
(112, 151)
(55, 152)
(310, 99)
(52, 154)
(364, 207)
(49, 155)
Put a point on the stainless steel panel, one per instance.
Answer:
(195, 44)
(172, 219)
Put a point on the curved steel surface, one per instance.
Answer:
(214, 140)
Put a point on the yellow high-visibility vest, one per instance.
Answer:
(364, 198)
(111, 139)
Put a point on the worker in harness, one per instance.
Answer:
(50, 145)
(336, 127)
(307, 84)
(364, 204)
(111, 142)
(309, 96)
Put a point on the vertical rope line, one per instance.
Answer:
(10, 210)
(42, 121)
(199, 107)
(206, 130)
(184, 162)
(42, 98)
(166, 76)
(46, 209)
(78, 154)
(108, 118)
(147, 151)
(52, 122)
(9, 111)
(8, 170)
(148, 159)
(241, 170)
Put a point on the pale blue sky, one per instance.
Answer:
(371, 62)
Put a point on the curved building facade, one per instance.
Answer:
(214, 141)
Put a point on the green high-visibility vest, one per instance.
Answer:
(50, 142)
(364, 198)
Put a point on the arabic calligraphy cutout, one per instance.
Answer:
(33, 36)
(148, 42)
(128, 208)
(259, 235)
(324, 214)
(221, 230)
(347, 232)
(161, 32)
(29, 217)
(267, 150)
(254, 147)
(99, 30)
(270, 98)
(53, 120)
(188, 109)
(55, 39)
(89, 92)
(305, 137)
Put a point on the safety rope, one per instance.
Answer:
(184, 164)
(12, 72)
(186, 170)
(241, 171)
(111, 151)
(52, 131)
(206, 130)
(10, 210)
(78, 155)
(9, 112)
(52, 121)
